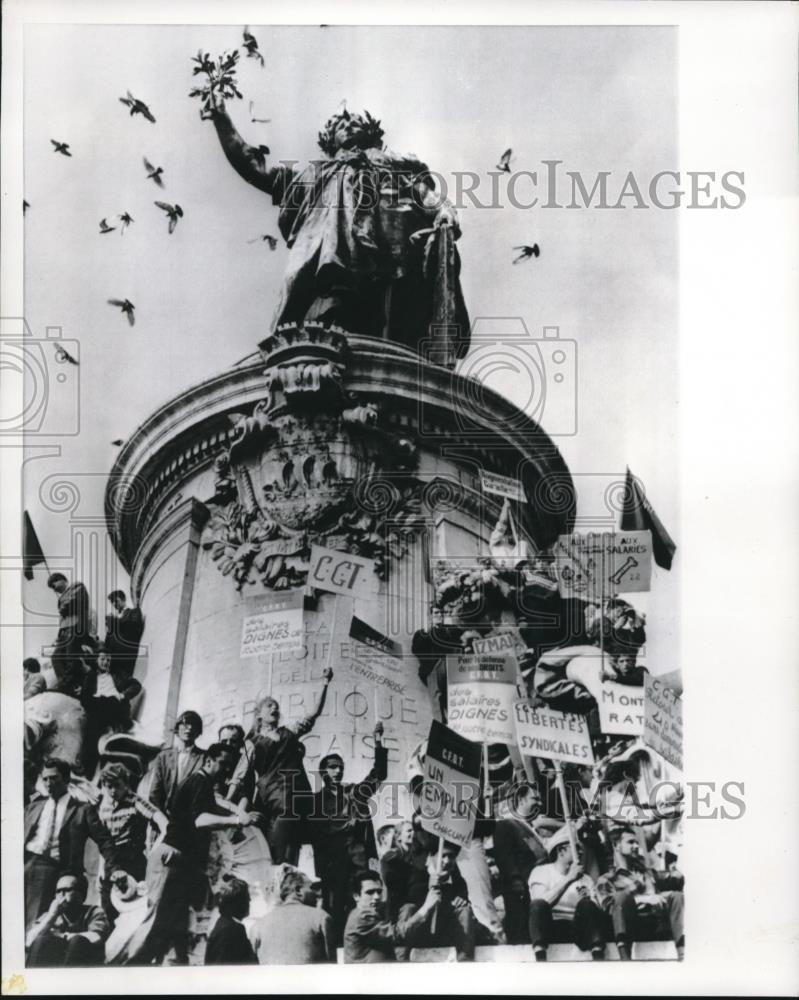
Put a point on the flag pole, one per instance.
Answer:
(566, 811)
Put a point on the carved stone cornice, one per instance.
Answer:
(420, 403)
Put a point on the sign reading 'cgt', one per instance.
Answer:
(340, 572)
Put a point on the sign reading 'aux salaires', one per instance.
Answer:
(277, 626)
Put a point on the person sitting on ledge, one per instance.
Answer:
(69, 933)
(644, 904)
(33, 682)
(563, 903)
(455, 923)
(228, 943)
(296, 931)
(368, 936)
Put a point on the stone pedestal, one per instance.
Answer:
(324, 437)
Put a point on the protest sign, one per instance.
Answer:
(481, 690)
(593, 565)
(376, 657)
(340, 572)
(501, 640)
(543, 732)
(277, 626)
(502, 486)
(663, 720)
(621, 709)
(451, 785)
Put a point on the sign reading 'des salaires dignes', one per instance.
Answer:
(502, 486)
(277, 626)
(376, 657)
(610, 562)
(340, 572)
(451, 785)
(663, 720)
(543, 732)
(481, 689)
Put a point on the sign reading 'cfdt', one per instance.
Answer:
(340, 572)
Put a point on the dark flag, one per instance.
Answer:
(32, 553)
(638, 515)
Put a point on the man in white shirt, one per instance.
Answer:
(56, 830)
(563, 903)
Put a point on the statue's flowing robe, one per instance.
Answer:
(347, 222)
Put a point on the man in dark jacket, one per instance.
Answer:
(56, 830)
(228, 943)
(174, 765)
(518, 847)
(341, 829)
(643, 903)
(454, 922)
(74, 613)
(368, 936)
(123, 634)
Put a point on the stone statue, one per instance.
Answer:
(371, 245)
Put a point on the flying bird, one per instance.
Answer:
(174, 212)
(61, 147)
(105, 228)
(63, 355)
(118, 442)
(137, 107)
(153, 173)
(271, 240)
(25, 206)
(126, 218)
(504, 161)
(264, 121)
(527, 252)
(251, 45)
(126, 306)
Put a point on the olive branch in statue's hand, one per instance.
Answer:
(221, 83)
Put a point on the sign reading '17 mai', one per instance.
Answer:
(613, 562)
(340, 572)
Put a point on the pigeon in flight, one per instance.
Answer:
(61, 147)
(153, 173)
(118, 442)
(63, 355)
(527, 252)
(137, 107)
(504, 161)
(25, 206)
(126, 306)
(251, 45)
(174, 212)
(263, 121)
(126, 218)
(271, 240)
(105, 228)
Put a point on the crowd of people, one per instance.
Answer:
(540, 869)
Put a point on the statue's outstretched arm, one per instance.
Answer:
(248, 161)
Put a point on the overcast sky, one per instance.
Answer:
(594, 98)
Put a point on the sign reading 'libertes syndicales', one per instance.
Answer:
(480, 692)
